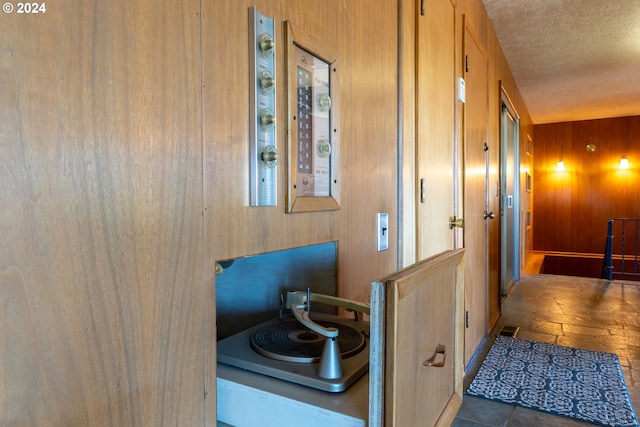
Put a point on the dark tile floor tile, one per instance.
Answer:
(535, 336)
(485, 411)
(546, 327)
(461, 422)
(523, 417)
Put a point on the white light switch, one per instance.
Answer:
(461, 90)
(383, 231)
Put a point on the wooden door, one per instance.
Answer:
(416, 344)
(478, 299)
(435, 106)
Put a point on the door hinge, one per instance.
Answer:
(466, 319)
(422, 12)
(466, 63)
(423, 197)
(486, 147)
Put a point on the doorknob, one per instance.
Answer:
(456, 222)
(489, 215)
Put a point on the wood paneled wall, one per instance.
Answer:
(500, 79)
(571, 208)
(479, 27)
(366, 40)
(365, 35)
(101, 260)
(124, 170)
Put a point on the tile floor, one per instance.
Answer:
(572, 311)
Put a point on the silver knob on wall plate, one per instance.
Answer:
(266, 44)
(269, 156)
(267, 82)
(323, 101)
(267, 118)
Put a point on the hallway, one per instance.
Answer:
(570, 311)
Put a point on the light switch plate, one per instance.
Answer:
(383, 231)
(461, 90)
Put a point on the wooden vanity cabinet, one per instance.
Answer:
(417, 327)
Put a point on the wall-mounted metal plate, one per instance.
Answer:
(263, 146)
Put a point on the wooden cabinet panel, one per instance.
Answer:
(368, 133)
(416, 367)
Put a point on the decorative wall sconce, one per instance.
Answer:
(560, 166)
(624, 162)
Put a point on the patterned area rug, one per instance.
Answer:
(581, 384)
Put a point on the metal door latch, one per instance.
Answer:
(489, 215)
(456, 222)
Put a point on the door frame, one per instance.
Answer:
(507, 107)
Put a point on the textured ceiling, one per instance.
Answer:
(572, 59)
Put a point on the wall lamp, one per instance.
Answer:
(560, 166)
(624, 162)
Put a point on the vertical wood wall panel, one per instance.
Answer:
(500, 73)
(124, 177)
(572, 207)
(407, 132)
(101, 263)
